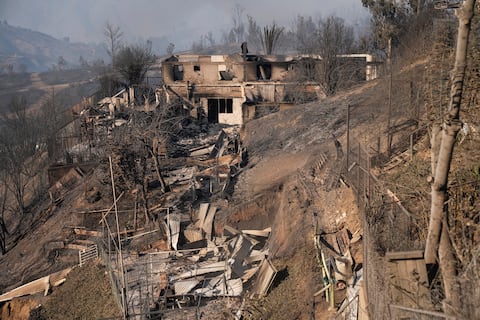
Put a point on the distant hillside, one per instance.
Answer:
(37, 51)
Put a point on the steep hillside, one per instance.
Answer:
(38, 51)
(292, 184)
(296, 183)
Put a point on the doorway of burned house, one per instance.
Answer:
(213, 110)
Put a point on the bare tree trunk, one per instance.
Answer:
(452, 125)
(438, 239)
(439, 190)
(435, 145)
(159, 174)
(448, 263)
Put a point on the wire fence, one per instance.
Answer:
(387, 226)
(117, 287)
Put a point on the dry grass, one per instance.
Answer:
(85, 295)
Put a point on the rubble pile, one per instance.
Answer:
(163, 247)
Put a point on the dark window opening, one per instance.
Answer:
(222, 106)
(225, 106)
(216, 106)
(196, 68)
(225, 75)
(264, 71)
(178, 72)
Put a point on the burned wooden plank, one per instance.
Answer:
(40, 285)
(258, 233)
(230, 231)
(241, 248)
(184, 287)
(219, 145)
(408, 278)
(403, 255)
(220, 170)
(343, 241)
(202, 214)
(266, 274)
(208, 222)
(76, 246)
(201, 151)
(36, 286)
(192, 233)
(199, 244)
(90, 233)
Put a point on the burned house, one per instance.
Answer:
(231, 89)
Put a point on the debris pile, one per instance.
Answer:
(342, 275)
(204, 267)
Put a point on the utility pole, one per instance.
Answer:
(120, 256)
(390, 85)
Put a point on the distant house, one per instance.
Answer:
(230, 89)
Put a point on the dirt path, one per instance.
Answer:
(37, 82)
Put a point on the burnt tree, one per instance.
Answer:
(438, 238)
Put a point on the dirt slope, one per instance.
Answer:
(293, 174)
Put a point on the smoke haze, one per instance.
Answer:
(179, 21)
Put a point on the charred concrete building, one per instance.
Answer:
(232, 89)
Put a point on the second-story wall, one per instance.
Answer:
(214, 69)
(218, 69)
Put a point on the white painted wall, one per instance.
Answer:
(233, 118)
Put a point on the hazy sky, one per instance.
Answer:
(182, 21)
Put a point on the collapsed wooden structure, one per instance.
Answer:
(167, 251)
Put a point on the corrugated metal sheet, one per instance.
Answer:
(185, 286)
(201, 269)
(219, 287)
